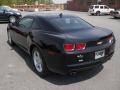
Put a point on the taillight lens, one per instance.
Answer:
(72, 47)
(69, 47)
(110, 39)
(80, 46)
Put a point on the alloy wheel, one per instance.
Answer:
(12, 19)
(37, 61)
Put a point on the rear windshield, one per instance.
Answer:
(70, 23)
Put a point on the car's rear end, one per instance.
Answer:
(81, 54)
(91, 10)
(80, 45)
(87, 54)
(116, 14)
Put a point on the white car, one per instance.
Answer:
(15, 9)
(100, 9)
(116, 14)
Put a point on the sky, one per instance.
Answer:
(60, 1)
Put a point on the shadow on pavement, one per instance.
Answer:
(61, 79)
(114, 18)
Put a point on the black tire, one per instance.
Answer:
(12, 19)
(10, 41)
(98, 13)
(44, 72)
(111, 13)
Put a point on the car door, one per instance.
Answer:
(102, 9)
(22, 30)
(106, 9)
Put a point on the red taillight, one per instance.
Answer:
(72, 47)
(69, 47)
(80, 46)
(110, 39)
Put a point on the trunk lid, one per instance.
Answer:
(88, 35)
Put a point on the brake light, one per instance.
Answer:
(80, 46)
(72, 47)
(69, 47)
(110, 39)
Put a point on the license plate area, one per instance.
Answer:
(99, 54)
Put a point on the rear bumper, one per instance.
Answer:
(65, 63)
(116, 15)
(88, 65)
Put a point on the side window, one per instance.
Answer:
(106, 7)
(97, 7)
(37, 25)
(25, 22)
(101, 7)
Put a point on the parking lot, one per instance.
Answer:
(16, 72)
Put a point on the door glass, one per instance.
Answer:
(106, 7)
(37, 25)
(101, 7)
(25, 23)
(96, 6)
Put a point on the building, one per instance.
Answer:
(39, 7)
(83, 5)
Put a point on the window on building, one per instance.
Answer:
(111, 1)
(89, 2)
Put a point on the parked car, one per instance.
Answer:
(9, 14)
(116, 14)
(100, 9)
(61, 43)
(15, 9)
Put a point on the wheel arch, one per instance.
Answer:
(97, 11)
(11, 16)
(32, 46)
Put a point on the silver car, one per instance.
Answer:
(116, 14)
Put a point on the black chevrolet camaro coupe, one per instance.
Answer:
(61, 43)
(8, 14)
